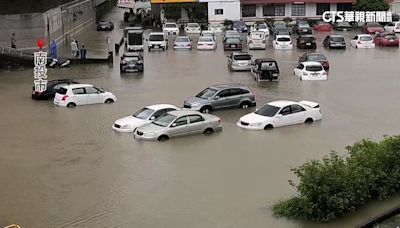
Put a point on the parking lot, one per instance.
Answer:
(70, 169)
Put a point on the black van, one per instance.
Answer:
(265, 69)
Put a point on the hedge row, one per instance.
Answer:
(329, 188)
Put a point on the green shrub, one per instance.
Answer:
(336, 185)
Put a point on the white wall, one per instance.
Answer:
(231, 10)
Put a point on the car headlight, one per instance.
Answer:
(255, 124)
(126, 126)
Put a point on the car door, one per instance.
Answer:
(197, 124)
(298, 114)
(179, 127)
(80, 96)
(235, 97)
(93, 95)
(283, 117)
(221, 99)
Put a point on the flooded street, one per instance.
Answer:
(64, 167)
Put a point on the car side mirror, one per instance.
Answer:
(152, 118)
(216, 98)
(173, 125)
(279, 116)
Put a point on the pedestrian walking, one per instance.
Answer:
(13, 41)
(74, 48)
(77, 51)
(83, 51)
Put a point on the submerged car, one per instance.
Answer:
(216, 28)
(386, 39)
(206, 43)
(143, 116)
(334, 41)
(281, 113)
(322, 27)
(131, 62)
(282, 42)
(105, 26)
(393, 27)
(310, 71)
(306, 41)
(82, 94)
(239, 26)
(192, 28)
(342, 26)
(183, 42)
(372, 28)
(302, 27)
(315, 57)
(221, 97)
(362, 41)
(52, 87)
(239, 61)
(232, 43)
(260, 27)
(265, 69)
(170, 28)
(179, 123)
(256, 40)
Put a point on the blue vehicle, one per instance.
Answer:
(239, 26)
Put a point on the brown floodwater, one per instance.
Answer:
(63, 167)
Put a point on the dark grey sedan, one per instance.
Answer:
(179, 123)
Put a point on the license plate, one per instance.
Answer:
(131, 65)
(284, 46)
(233, 46)
(314, 74)
(308, 44)
(156, 46)
(344, 30)
(391, 40)
(304, 30)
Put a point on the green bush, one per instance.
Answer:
(336, 185)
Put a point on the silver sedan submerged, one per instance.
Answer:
(183, 42)
(179, 123)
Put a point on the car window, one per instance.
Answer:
(169, 109)
(91, 90)
(62, 91)
(58, 86)
(267, 110)
(242, 57)
(207, 93)
(181, 121)
(365, 38)
(164, 120)
(390, 24)
(285, 111)
(338, 39)
(268, 66)
(235, 91)
(297, 108)
(355, 38)
(314, 68)
(143, 113)
(159, 113)
(78, 91)
(224, 93)
(301, 66)
(243, 91)
(283, 39)
(195, 118)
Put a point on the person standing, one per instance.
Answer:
(74, 48)
(83, 51)
(77, 46)
(13, 41)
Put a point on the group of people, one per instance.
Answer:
(77, 51)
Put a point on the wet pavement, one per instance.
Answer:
(63, 167)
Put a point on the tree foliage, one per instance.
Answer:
(371, 5)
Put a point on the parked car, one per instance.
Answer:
(82, 94)
(216, 28)
(334, 41)
(207, 33)
(306, 41)
(372, 28)
(282, 42)
(52, 87)
(157, 40)
(231, 33)
(279, 28)
(220, 97)
(386, 39)
(310, 71)
(179, 123)
(183, 42)
(281, 113)
(362, 41)
(239, 26)
(131, 62)
(143, 116)
(171, 28)
(260, 27)
(322, 27)
(283, 31)
(265, 69)
(206, 43)
(256, 40)
(315, 57)
(302, 27)
(239, 61)
(105, 26)
(342, 26)
(192, 28)
(393, 27)
(232, 43)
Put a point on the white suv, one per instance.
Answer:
(171, 28)
(157, 40)
(82, 94)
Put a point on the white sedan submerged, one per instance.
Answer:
(310, 71)
(281, 113)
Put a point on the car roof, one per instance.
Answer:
(336, 35)
(265, 60)
(281, 103)
(156, 33)
(309, 63)
(73, 86)
(314, 53)
(193, 23)
(281, 36)
(240, 53)
(185, 112)
(135, 31)
(228, 85)
(364, 35)
(207, 31)
(306, 35)
(257, 32)
(182, 37)
(170, 23)
(131, 54)
(160, 106)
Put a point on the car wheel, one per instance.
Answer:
(206, 109)
(163, 138)
(268, 127)
(208, 131)
(309, 121)
(71, 105)
(109, 101)
(244, 104)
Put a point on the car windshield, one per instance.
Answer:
(373, 25)
(104, 22)
(205, 39)
(267, 110)
(280, 26)
(239, 24)
(316, 58)
(170, 25)
(131, 59)
(182, 39)
(314, 68)
(164, 120)
(143, 113)
(268, 66)
(337, 39)
(307, 38)
(156, 38)
(391, 37)
(261, 26)
(242, 57)
(344, 24)
(193, 25)
(283, 39)
(232, 40)
(365, 38)
(209, 34)
(206, 94)
(257, 36)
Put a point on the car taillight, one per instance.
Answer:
(64, 98)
